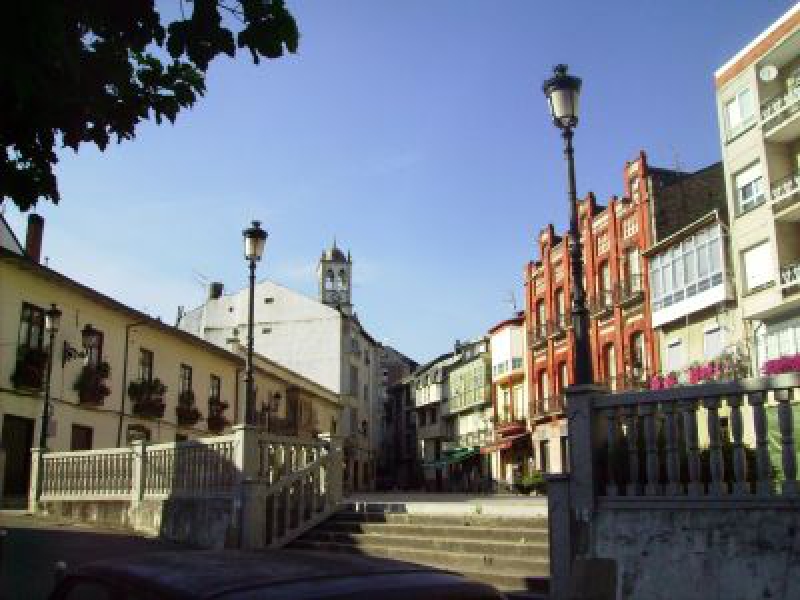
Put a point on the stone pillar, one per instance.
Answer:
(245, 500)
(33, 489)
(139, 449)
(559, 517)
(335, 472)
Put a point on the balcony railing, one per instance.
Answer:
(779, 108)
(631, 291)
(790, 275)
(547, 406)
(557, 327)
(785, 188)
(602, 304)
(537, 335)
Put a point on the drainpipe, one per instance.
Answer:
(128, 328)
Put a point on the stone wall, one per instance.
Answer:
(200, 522)
(740, 553)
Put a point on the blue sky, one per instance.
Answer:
(415, 132)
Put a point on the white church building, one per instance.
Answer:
(320, 339)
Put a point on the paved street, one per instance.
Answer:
(33, 546)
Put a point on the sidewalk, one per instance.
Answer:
(450, 504)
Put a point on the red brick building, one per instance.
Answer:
(616, 282)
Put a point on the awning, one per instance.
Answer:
(453, 456)
(503, 444)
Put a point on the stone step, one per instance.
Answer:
(483, 547)
(515, 587)
(454, 532)
(428, 519)
(509, 566)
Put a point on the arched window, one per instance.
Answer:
(342, 279)
(329, 280)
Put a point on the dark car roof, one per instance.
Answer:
(286, 573)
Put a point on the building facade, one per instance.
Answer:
(403, 470)
(615, 239)
(430, 392)
(141, 379)
(758, 93)
(322, 339)
(468, 416)
(511, 452)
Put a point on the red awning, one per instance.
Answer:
(503, 444)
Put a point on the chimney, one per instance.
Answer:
(215, 290)
(33, 237)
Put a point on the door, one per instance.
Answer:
(17, 442)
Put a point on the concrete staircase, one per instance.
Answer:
(510, 553)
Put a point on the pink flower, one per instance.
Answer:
(784, 364)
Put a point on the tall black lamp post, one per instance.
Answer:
(254, 240)
(562, 91)
(52, 321)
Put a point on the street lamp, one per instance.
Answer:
(254, 240)
(90, 338)
(562, 92)
(52, 321)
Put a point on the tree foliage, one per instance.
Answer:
(89, 71)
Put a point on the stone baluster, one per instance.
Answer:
(674, 486)
(632, 438)
(611, 435)
(695, 485)
(764, 487)
(716, 486)
(652, 487)
(740, 485)
(786, 426)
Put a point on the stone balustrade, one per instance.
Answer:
(268, 488)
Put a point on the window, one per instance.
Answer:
(610, 365)
(333, 426)
(214, 388)
(31, 327)
(328, 280)
(739, 112)
(564, 454)
(540, 314)
(560, 305)
(675, 358)
(145, 365)
(542, 389)
(269, 300)
(633, 269)
(604, 280)
(544, 456)
(516, 363)
(638, 355)
(186, 379)
(713, 342)
(433, 415)
(366, 392)
(422, 415)
(757, 263)
(353, 380)
(81, 438)
(95, 353)
(687, 269)
(181, 437)
(520, 406)
(749, 186)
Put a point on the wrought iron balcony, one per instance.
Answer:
(790, 275)
(602, 305)
(537, 335)
(785, 188)
(631, 291)
(544, 407)
(557, 328)
(779, 108)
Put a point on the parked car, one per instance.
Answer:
(269, 575)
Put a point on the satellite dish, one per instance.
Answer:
(768, 73)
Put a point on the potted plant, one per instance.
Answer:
(784, 364)
(533, 482)
(147, 397)
(216, 415)
(91, 384)
(186, 410)
(30, 368)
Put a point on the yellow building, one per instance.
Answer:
(141, 379)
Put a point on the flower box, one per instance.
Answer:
(186, 410)
(29, 370)
(90, 384)
(147, 397)
(216, 416)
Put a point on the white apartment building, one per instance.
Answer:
(758, 96)
(430, 393)
(321, 339)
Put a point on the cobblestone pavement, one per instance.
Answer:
(32, 547)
